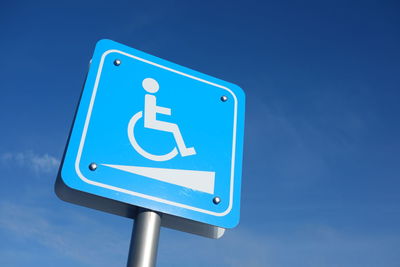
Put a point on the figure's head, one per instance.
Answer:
(150, 85)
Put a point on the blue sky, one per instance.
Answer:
(321, 174)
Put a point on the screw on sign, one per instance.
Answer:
(139, 149)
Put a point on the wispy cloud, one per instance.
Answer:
(304, 245)
(32, 222)
(235, 249)
(39, 163)
(77, 238)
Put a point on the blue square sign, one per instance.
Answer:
(150, 133)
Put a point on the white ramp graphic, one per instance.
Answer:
(197, 180)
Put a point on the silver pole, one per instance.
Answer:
(144, 241)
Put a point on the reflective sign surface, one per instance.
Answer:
(157, 135)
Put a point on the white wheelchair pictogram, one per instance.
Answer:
(150, 121)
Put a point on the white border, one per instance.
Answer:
(81, 144)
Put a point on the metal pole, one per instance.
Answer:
(144, 241)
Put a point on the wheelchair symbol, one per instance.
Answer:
(149, 115)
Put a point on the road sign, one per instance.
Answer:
(153, 134)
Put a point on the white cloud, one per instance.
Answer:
(39, 163)
(76, 238)
(302, 245)
(234, 249)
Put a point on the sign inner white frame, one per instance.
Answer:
(141, 195)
